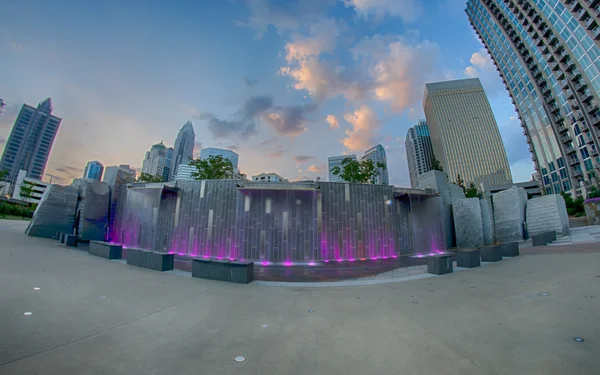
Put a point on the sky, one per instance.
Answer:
(284, 83)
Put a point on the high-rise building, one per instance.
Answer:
(336, 161)
(94, 170)
(184, 148)
(184, 172)
(547, 53)
(167, 176)
(419, 151)
(30, 141)
(154, 163)
(464, 133)
(227, 154)
(1, 105)
(377, 155)
(268, 177)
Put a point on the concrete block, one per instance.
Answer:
(61, 238)
(487, 222)
(105, 250)
(92, 209)
(201, 268)
(439, 264)
(468, 258)
(242, 272)
(547, 213)
(509, 214)
(55, 212)
(150, 259)
(544, 238)
(220, 270)
(509, 249)
(70, 240)
(492, 253)
(468, 223)
(57, 236)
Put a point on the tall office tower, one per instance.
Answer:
(154, 163)
(227, 154)
(336, 161)
(377, 155)
(1, 105)
(30, 141)
(184, 147)
(547, 53)
(167, 176)
(419, 151)
(93, 170)
(464, 133)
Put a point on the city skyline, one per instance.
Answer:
(258, 94)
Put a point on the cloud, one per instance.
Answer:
(289, 120)
(9, 115)
(317, 168)
(232, 147)
(285, 120)
(303, 158)
(267, 142)
(483, 67)
(283, 15)
(69, 172)
(322, 38)
(407, 10)
(399, 68)
(514, 141)
(332, 121)
(363, 134)
(250, 82)
(389, 69)
(2, 140)
(278, 152)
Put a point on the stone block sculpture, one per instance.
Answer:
(509, 214)
(92, 209)
(468, 223)
(487, 222)
(547, 213)
(449, 192)
(55, 212)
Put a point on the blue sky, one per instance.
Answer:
(283, 83)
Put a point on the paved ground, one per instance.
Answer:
(94, 316)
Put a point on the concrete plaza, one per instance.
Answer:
(95, 316)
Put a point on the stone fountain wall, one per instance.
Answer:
(279, 222)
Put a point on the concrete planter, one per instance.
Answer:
(592, 211)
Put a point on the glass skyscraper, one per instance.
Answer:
(30, 141)
(547, 53)
(93, 170)
(227, 154)
(183, 151)
(377, 155)
(419, 151)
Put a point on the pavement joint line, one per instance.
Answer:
(114, 327)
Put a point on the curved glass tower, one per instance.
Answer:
(547, 53)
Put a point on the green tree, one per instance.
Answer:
(213, 168)
(26, 191)
(147, 177)
(472, 192)
(435, 165)
(3, 175)
(363, 172)
(574, 206)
